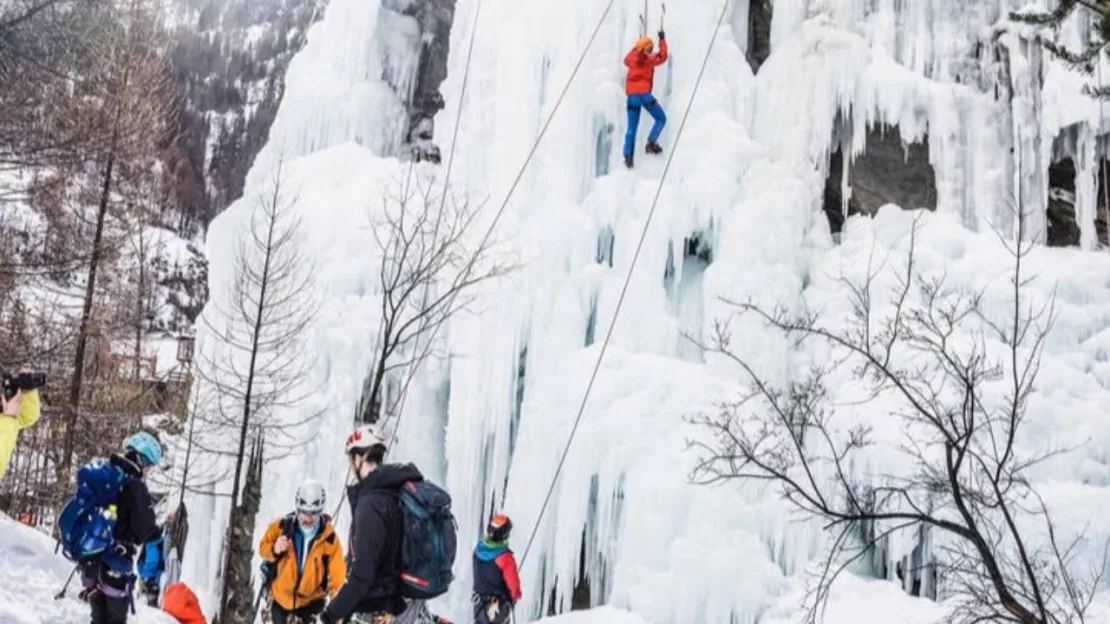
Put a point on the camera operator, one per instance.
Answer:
(21, 410)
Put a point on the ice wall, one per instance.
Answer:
(746, 183)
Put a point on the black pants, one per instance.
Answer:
(304, 614)
(108, 610)
(108, 593)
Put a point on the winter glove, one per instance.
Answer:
(662, 36)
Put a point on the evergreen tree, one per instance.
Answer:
(1085, 59)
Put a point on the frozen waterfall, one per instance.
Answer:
(739, 217)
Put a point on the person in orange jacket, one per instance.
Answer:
(180, 602)
(306, 557)
(641, 63)
(20, 412)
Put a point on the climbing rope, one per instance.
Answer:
(400, 405)
(624, 289)
(442, 202)
(504, 204)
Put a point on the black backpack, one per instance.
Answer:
(428, 540)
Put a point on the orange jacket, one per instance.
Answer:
(324, 564)
(180, 602)
(641, 69)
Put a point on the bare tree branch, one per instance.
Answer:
(426, 276)
(924, 348)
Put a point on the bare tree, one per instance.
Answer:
(428, 273)
(942, 360)
(127, 108)
(262, 362)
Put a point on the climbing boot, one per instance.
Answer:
(653, 148)
(628, 161)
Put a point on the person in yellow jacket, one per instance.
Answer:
(305, 558)
(20, 412)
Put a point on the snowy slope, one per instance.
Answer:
(747, 177)
(31, 576)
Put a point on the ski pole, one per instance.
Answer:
(662, 14)
(62, 594)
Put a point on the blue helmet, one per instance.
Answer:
(147, 448)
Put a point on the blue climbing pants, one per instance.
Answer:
(635, 103)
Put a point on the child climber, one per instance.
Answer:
(496, 581)
(641, 65)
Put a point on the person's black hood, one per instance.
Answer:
(385, 477)
(128, 465)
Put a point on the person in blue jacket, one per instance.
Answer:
(151, 566)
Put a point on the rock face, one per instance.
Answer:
(435, 18)
(887, 172)
(760, 13)
(1063, 225)
(1063, 230)
(229, 59)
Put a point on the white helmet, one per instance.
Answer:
(311, 497)
(364, 437)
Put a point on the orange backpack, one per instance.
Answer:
(180, 602)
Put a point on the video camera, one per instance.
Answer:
(14, 382)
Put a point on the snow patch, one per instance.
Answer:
(31, 576)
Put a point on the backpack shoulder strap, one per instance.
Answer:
(289, 525)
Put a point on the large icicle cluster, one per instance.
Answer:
(738, 217)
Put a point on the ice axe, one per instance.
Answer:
(62, 594)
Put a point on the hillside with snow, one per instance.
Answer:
(735, 208)
(33, 575)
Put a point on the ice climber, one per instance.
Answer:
(372, 594)
(641, 63)
(496, 580)
(109, 579)
(306, 551)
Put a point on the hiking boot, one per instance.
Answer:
(653, 148)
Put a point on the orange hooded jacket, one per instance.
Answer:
(641, 69)
(180, 602)
(324, 569)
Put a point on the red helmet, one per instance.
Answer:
(499, 528)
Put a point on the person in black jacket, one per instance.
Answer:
(372, 591)
(109, 580)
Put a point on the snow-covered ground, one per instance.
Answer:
(31, 576)
(747, 178)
